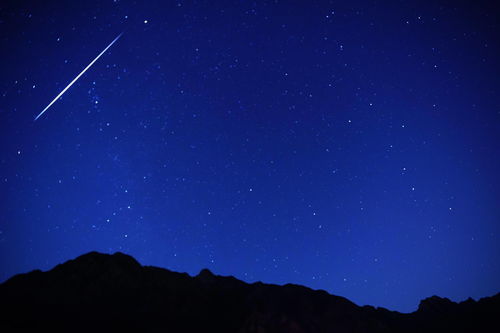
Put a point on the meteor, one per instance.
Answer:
(76, 78)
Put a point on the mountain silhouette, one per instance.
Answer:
(101, 292)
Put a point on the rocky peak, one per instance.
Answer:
(206, 276)
(436, 305)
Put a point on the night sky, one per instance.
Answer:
(350, 146)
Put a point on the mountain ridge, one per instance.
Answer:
(111, 288)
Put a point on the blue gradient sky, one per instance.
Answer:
(351, 146)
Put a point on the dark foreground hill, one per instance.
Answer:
(99, 292)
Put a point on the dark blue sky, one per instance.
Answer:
(351, 146)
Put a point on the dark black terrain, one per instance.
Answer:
(99, 292)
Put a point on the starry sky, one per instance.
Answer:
(350, 146)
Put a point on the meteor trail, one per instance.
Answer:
(76, 78)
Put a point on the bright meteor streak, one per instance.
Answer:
(76, 78)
